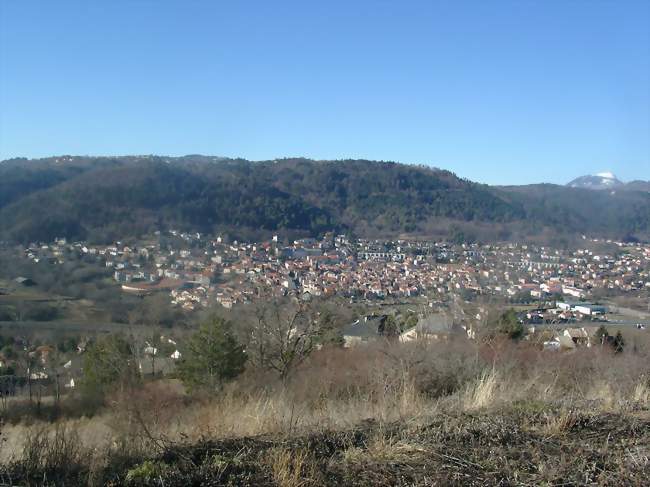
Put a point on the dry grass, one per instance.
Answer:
(604, 394)
(560, 423)
(641, 394)
(482, 393)
(384, 447)
(385, 397)
(342, 389)
(293, 468)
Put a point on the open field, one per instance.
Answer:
(64, 326)
(22, 303)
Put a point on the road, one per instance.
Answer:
(629, 312)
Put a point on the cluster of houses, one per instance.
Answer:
(584, 336)
(46, 366)
(197, 271)
(369, 328)
(566, 312)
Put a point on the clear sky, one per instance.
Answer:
(497, 91)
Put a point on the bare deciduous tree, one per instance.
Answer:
(282, 335)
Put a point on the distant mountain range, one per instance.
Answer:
(607, 181)
(115, 198)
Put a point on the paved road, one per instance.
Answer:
(632, 313)
(580, 324)
(645, 322)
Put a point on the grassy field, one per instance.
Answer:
(65, 314)
(19, 300)
(63, 326)
(73, 315)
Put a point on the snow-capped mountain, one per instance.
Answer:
(602, 180)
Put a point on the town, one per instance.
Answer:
(197, 271)
(432, 289)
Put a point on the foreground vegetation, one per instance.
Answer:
(461, 412)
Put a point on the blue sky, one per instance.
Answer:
(496, 91)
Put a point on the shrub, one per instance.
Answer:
(146, 472)
(54, 457)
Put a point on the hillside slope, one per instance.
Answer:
(112, 198)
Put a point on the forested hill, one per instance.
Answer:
(104, 199)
